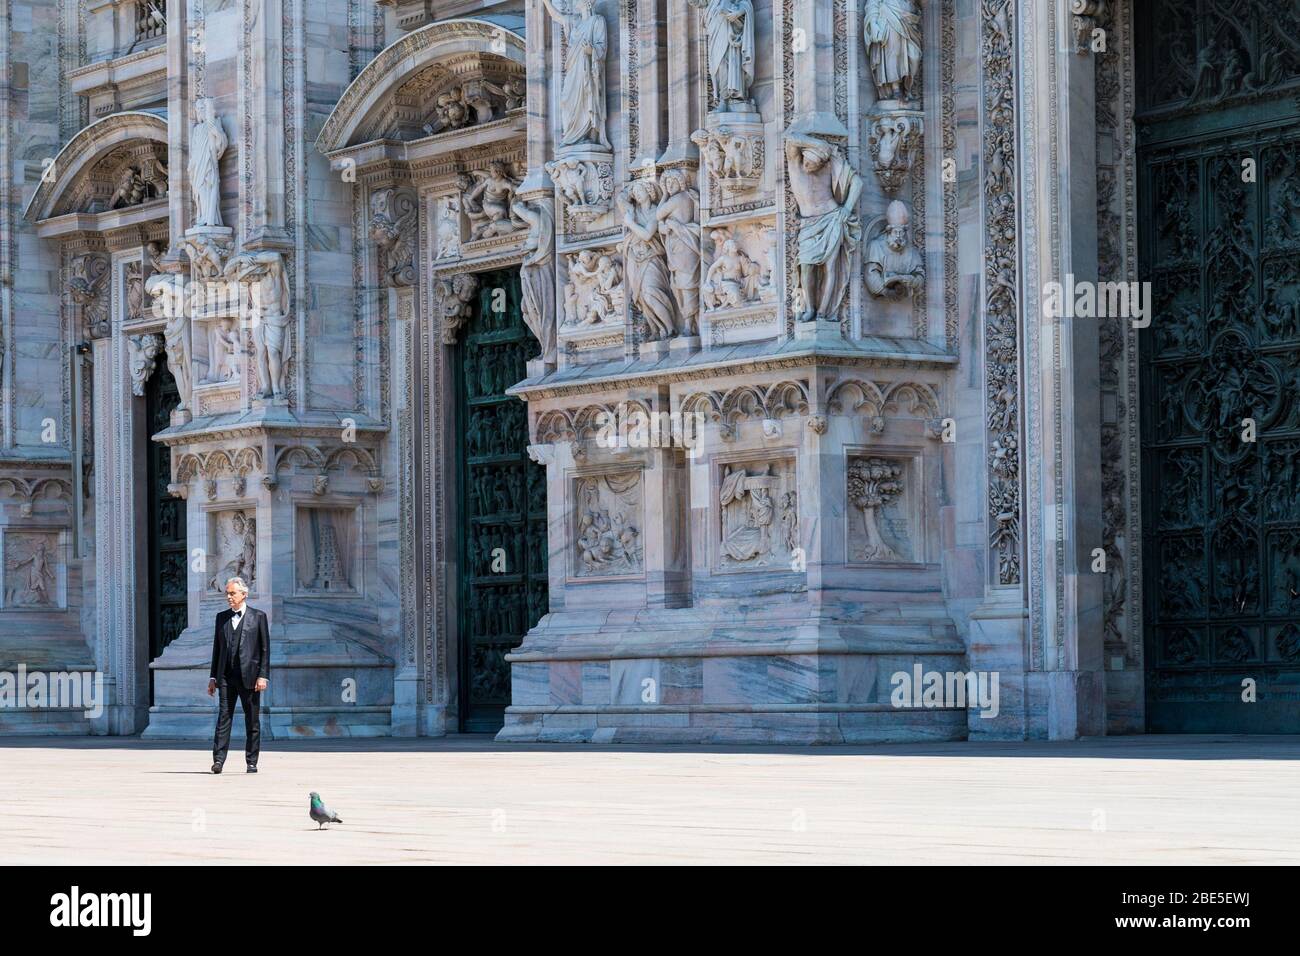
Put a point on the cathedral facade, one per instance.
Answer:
(700, 371)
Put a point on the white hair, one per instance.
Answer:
(239, 583)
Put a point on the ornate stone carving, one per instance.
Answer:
(826, 188)
(450, 300)
(748, 502)
(733, 157)
(133, 285)
(1002, 346)
(873, 484)
(733, 279)
(487, 200)
(1085, 15)
(208, 142)
(893, 141)
(729, 27)
(607, 539)
(31, 569)
(585, 186)
(269, 298)
(133, 187)
(207, 254)
(582, 97)
(144, 351)
(234, 546)
(393, 215)
(678, 214)
(168, 293)
(87, 285)
(448, 228)
(594, 292)
(649, 286)
(894, 267)
(891, 31)
(818, 423)
(537, 275)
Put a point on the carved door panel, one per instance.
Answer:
(1219, 162)
(168, 609)
(503, 577)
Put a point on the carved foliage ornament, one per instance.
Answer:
(393, 215)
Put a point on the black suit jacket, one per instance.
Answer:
(254, 648)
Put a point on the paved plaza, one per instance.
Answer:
(467, 800)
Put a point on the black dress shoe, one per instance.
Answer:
(216, 768)
(252, 768)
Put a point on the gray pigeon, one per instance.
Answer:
(321, 813)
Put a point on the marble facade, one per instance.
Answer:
(818, 227)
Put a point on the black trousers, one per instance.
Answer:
(230, 690)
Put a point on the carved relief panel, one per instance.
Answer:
(34, 569)
(757, 510)
(882, 513)
(232, 549)
(607, 522)
(327, 547)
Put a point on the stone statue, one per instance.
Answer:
(392, 228)
(826, 188)
(207, 144)
(729, 25)
(582, 100)
(678, 217)
(132, 189)
(644, 260)
(143, 351)
(594, 291)
(269, 302)
(537, 275)
(168, 292)
(40, 574)
(451, 299)
(747, 524)
(733, 278)
(892, 32)
(488, 198)
(894, 267)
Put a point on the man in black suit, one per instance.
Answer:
(241, 661)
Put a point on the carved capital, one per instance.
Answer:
(144, 351)
(88, 287)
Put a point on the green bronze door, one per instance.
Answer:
(503, 583)
(1219, 219)
(168, 610)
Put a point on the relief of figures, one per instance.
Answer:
(608, 536)
(594, 292)
(760, 523)
(736, 278)
(487, 199)
(31, 577)
(678, 215)
(873, 485)
(894, 266)
(234, 546)
(892, 33)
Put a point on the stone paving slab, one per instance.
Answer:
(466, 800)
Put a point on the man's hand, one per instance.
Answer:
(212, 686)
(262, 684)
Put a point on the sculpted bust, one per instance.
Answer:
(894, 267)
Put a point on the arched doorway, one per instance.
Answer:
(165, 520)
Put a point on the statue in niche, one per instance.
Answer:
(645, 262)
(748, 511)
(207, 144)
(678, 217)
(826, 188)
(733, 278)
(537, 275)
(487, 199)
(729, 25)
(582, 99)
(40, 575)
(892, 33)
(894, 267)
(268, 290)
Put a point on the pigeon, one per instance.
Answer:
(321, 813)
